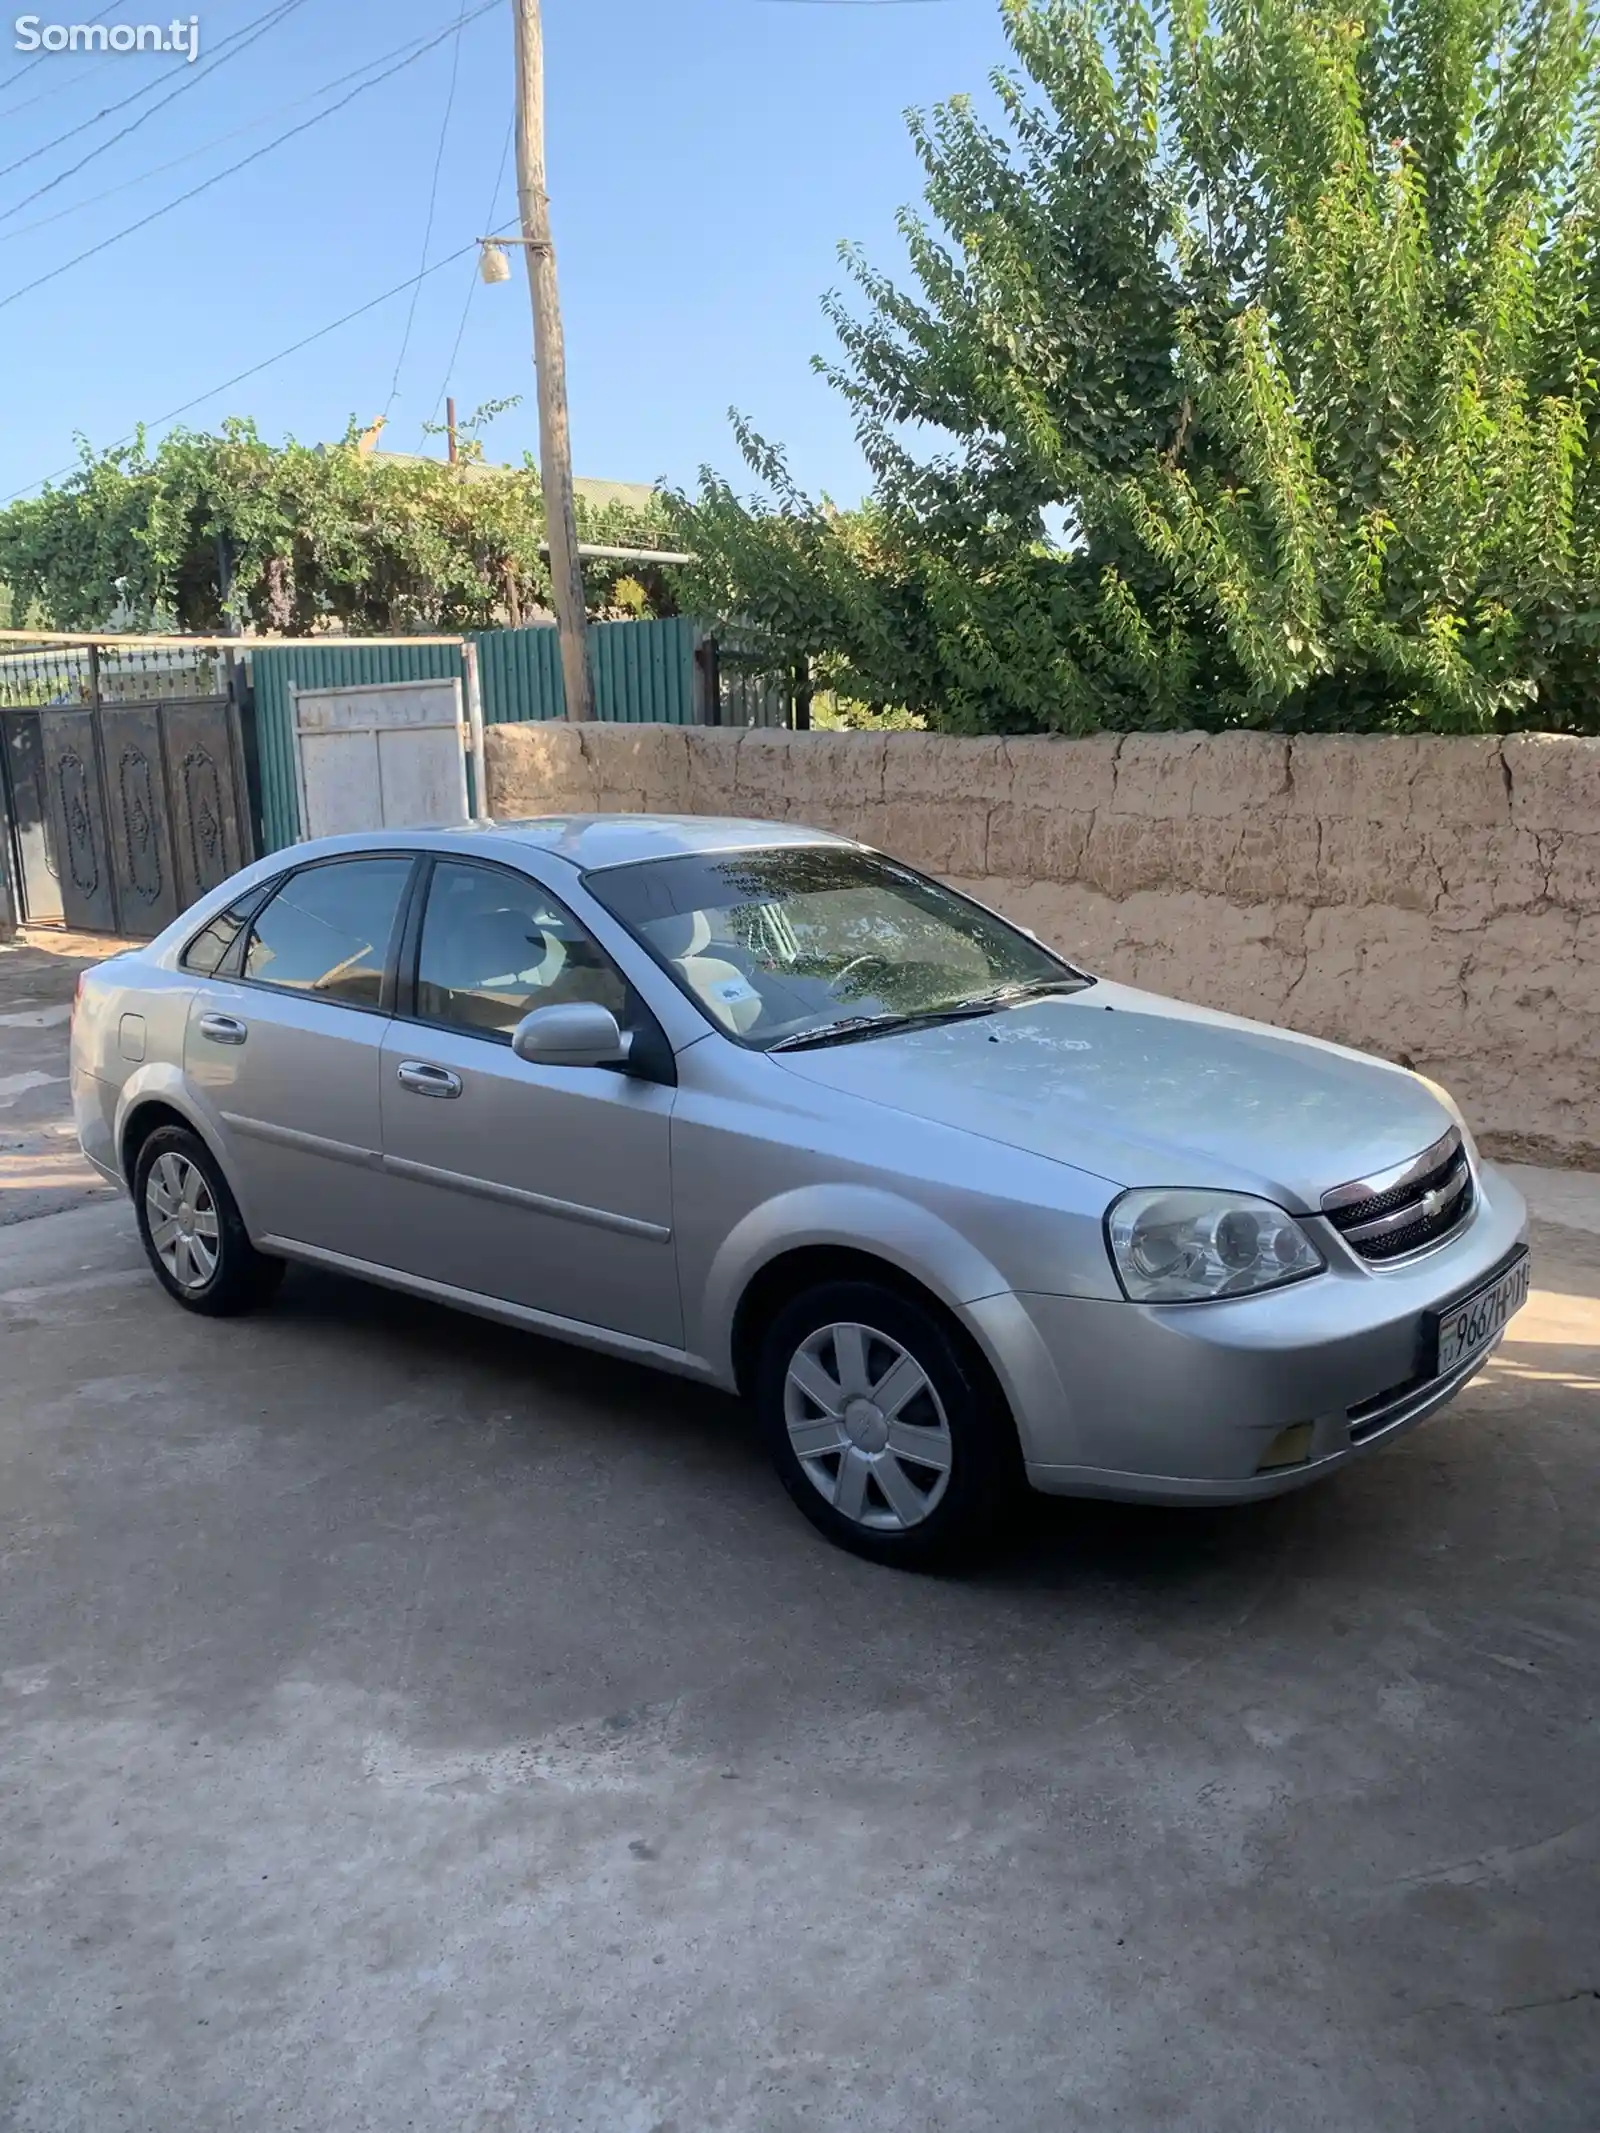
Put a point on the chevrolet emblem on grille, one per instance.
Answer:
(1411, 1207)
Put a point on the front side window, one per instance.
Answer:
(495, 946)
(327, 931)
(791, 943)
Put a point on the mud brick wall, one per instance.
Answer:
(1434, 900)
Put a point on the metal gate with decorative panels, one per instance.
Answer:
(122, 780)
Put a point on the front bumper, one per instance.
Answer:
(1179, 1403)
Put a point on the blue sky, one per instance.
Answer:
(705, 158)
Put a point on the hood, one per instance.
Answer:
(1141, 1090)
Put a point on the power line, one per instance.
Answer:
(492, 222)
(257, 30)
(70, 77)
(39, 58)
(255, 156)
(433, 201)
(60, 87)
(255, 369)
(220, 140)
(133, 96)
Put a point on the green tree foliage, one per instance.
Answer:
(314, 537)
(1249, 379)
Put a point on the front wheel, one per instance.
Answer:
(191, 1229)
(887, 1431)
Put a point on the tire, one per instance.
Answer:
(921, 1481)
(208, 1263)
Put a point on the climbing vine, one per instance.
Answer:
(205, 530)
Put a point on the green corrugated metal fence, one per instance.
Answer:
(521, 673)
(643, 674)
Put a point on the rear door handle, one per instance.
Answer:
(424, 1080)
(224, 1029)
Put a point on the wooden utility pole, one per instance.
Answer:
(450, 430)
(550, 362)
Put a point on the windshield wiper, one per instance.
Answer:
(986, 1003)
(841, 1032)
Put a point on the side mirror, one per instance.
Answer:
(578, 1034)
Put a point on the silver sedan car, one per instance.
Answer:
(764, 1107)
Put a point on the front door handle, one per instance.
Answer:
(224, 1029)
(424, 1080)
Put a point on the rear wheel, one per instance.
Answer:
(889, 1434)
(192, 1233)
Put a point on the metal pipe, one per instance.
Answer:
(480, 759)
(627, 555)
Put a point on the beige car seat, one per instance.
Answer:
(726, 993)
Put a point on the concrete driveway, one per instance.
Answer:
(410, 1724)
(41, 1170)
(407, 1724)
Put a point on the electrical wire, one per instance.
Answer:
(39, 58)
(256, 369)
(67, 80)
(109, 110)
(196, 75)
(220, 140)
(491, 222)
(433, 201)
(255, 156)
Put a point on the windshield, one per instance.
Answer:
(791, 942)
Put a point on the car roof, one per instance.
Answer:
(596, 841)
(587, 842)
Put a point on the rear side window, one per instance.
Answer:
(210, 945)
(327, 931)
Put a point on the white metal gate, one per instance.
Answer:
(387, 755)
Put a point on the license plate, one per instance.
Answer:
(1468, 1326)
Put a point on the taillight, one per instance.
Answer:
(77, 995)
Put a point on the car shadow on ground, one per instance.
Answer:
(1383, 1505)
(1051, 1545)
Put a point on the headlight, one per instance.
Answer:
(1176, 1246)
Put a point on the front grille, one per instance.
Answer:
(1388, 1217)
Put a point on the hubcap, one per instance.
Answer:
(867, 1426)
(182, 1216)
